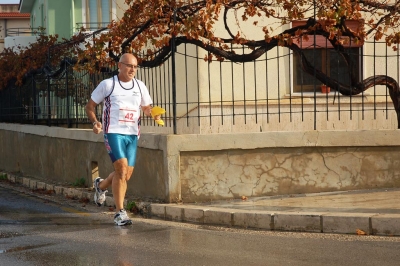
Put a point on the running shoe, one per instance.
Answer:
(122, 218)
(99, 195)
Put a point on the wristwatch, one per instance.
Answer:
(94, 123)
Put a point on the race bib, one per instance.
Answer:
(127, 116)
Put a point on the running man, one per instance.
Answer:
(123, 97)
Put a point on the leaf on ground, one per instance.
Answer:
(360, 232)
(244, 198)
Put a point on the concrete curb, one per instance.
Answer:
(382, 224)
(341, 223)
(68, 192)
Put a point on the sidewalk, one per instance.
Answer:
(370, 212)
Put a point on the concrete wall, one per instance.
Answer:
(199, 168)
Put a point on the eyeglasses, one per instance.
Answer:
(129, 65)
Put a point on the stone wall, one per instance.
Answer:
(197, 168)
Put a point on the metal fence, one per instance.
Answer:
(269, 93)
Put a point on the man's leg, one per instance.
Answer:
(120, 177)
(106, 183)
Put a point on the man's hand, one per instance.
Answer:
(97, 127)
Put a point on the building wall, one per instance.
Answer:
(38, 15)
(60, 18)
(77, 17)
(7, 23)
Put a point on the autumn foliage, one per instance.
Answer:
(148, 28)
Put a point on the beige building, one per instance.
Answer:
(12, 23)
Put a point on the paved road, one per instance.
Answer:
(53, 231)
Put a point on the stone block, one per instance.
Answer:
(19, 179)
(219, 216)
(58, 190)
(40, 185)
(290, 221)
(11, 178)
(87, 195)
(174, 213)
(49, 187)
(250, 219)
(194, 214)
(158, 210)
(346, 223)
(26, 181)
(33, 184)
(68, 192)
(110, 202)
(77, 193)
(386, 224)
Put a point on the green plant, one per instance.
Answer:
(79, 182)
(131, 206)
(3, 176)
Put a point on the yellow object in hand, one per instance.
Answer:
(156, 110)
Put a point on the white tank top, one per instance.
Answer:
(122, 103)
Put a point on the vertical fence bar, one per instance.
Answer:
(290, 88)
(386, 73)
(221, 93)
(169, 81)
(76, 102)
(357, 63)
(186, 87)
(244, 89)
(34, 100)
(267, 87)
(173, 47)
(67, 94)
(374, 79)
(279, 84)
(351, 94)
(163, 87)
(326, 71)
(233, 93)
(315, 89)
(209, 89)
(48, 91)
(301, 83)
(255, 90)
(198, 88)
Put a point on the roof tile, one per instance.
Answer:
(14, 15)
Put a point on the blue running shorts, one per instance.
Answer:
(121, 146)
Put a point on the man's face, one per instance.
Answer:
(127, 68)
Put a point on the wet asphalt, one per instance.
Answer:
(38, 229)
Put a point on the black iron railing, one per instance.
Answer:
(91, 26)
(13, 32)
(269, 93)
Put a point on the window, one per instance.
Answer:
(98, 13)
(325, 58)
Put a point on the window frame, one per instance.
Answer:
(321, 43)
(99, 23)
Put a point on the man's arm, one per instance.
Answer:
(147, 111)
(90, 112)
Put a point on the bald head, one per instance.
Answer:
(127, 57)
(127, 67)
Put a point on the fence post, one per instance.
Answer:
(34, 100)
(67, 93)
(48, 91)
(173, 48)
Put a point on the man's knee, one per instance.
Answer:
(129, 174)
